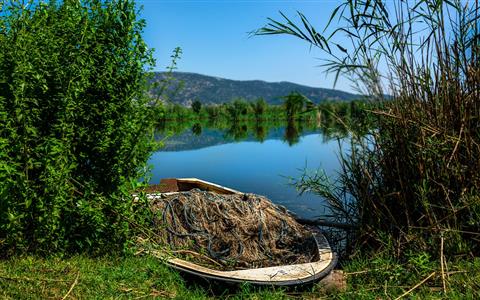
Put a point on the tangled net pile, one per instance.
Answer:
(232, 231)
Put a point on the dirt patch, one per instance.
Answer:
(166, 185)
(230, 232)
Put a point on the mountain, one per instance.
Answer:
(188, 87)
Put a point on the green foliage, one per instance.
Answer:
(238, 110)
(259, 107)
(196, 106)
(339, 119)
(75, 125)
(294, 104)
(296, 107)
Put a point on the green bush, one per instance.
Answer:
(294, 104)
(75, 124)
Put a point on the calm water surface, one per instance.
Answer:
(250, 166)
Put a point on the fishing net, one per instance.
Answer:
(230, 232)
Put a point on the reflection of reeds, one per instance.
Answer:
(328, 118)
(417, 177)
(241, 130)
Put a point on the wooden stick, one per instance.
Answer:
(319, 222)
(72, 286)
(357, 272)
(30, 279)
(441, 263)
(455, 272)
(198, 254)
(447, 230)
(416, 286)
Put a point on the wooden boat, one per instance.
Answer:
(286, 275)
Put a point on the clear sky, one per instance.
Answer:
(214, 37)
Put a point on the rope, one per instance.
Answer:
(234, 230)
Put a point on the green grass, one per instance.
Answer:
(149, 278)
(386, 278)
(102, 278)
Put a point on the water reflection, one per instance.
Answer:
(256, 155)
(261, 165)
(292, 133)
(197, 129)
(212, 134)
(260, 132)
(237, 132)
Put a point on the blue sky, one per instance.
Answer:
(214, 37)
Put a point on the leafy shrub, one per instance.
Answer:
(75, 123)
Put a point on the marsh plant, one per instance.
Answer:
(413, 180)
(75, 124)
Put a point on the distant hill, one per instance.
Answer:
(214, 90)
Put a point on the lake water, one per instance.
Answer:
(249, 165)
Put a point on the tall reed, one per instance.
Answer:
(415, 177)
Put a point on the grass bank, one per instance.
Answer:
(147, 278)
